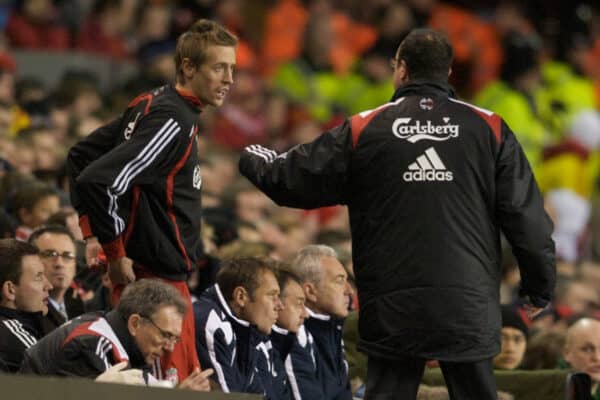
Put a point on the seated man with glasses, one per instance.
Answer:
(57, 251)
(145, 326)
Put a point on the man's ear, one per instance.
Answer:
(9, 291)
(240, 296)
(188, 68)
(449, 72)
(133, 324)
(310, 291)
(403, 70)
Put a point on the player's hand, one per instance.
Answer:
(197, 380)
(120, 271)
(115, 374)
(92, 249)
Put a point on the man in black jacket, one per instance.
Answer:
(23, 300)
(146, 324)
(136, 181)
(430, 182)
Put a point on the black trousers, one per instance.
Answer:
(400, 379)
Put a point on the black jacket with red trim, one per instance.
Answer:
(19, 330)
(136, 183)
(85, 346)
(430, 182)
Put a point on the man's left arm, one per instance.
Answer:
(524, 221)
(309, 175)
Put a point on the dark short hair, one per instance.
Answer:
(12, 252)
(51, 228)
(284, 275)
(427, 54)
(193, 43)
(147, 296)
(244, 272)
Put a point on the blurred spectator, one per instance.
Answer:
(512, 96)
(241, 121)
(514, 335)
(33, 204)
(104, 30)
(477, 52)
(575, 297)
(566, 91)
(544, 351)
(35, 24)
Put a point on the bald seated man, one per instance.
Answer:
(582, 350)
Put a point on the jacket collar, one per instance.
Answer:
(190, 98)
(119, 325)
(32, 320)
(282, 340)
(421, 87)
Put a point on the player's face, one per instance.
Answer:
(213, 79)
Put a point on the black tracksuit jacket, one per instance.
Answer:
(430, 182)
(136, 183)
(85, 346)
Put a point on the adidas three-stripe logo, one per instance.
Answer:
(428, 168)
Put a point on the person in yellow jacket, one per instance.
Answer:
(512, 97)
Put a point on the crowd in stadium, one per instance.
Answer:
(303, 66)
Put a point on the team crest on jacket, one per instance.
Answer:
(426, 104)
(130, 127)
(197, 182)
(416, 130)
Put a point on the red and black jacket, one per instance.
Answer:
(136, 183)
(430, 183)
(85, 346)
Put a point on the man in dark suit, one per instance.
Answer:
(57, 251)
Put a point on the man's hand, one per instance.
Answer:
(115, 374)
(92, 249)
(120, 271)
(197, 380)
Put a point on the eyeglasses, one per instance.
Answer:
(394, 62)
(66, 255)
(167, 337)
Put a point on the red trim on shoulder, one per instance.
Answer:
(81, 330)
(170, 183)
(190, 97)
(86, 228)
(139, 99)
(359, 121)
(132, 215)
(493, 120)
(567, 146)
(114, 250)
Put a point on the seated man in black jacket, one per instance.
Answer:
(318, 367)
(23, 300)
(145, 325)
